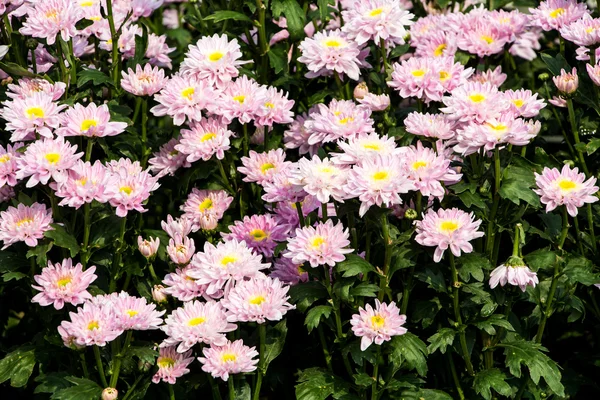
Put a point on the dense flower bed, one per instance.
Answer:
(357, 199)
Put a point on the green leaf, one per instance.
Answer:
(399, 51)
(144, 353)
(319, 384)
(441, 340)
(51, 383)
(592, 146)
(324, 10)
(363, 379)
(581, 270)
(9, 276)
(313, 317)
(275, 340)
(11, 261)
(409, 350)
(39, 252)
(17, 366)
(473, 265)
(425, 394)
(494, 320)
(219, 16)
(243, 392)
(354, 265)
(521, 352)
(304, 294)
(278, 59)
(516, 186)
(555, 64)
(294, 16)
(141, 45)
(469, 199)
(489, 379)
(63, 239)
(433, 277)
(98, 78)
(358, 355)
(540, 259)
(83, 389)
(365, 290)
(16, 70)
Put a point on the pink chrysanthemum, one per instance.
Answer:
(243, 99)
(257, 300)
(436, 44)
(567, 82)
(34, 114)
(134, 313)
(554, 14)
(84, 184)
(451, 228)
(567, 187)
(375, 102)
(90, 121)
(262, 167)
(27, 87)
(181, 286)
(260, 232)
(430, 125)
(288, 271)
(377, 20)
(131, 186)
(281, 188)
(276, 109)
(181, 249)
(171, 364)
(324, 244)
(514, 272)
(377, 324)
(24, 224)
(49, 18)
(63, 283)
(417, 77)
(340, 119)
(143, 82)
(157, 51)
(331, 51)
(583, 32)
(296, 137)
(231, 358)
(321, 178)
(181, 226)
(475, 102)
(218, 266)
(183, 97)
(8, 164)
(45, 159)
(493, 76)
(482, 38)
(168, 159)
(524, 103)
(494, 132)
(214, 59)
(148, 248)
(206, 207)
(362, 147)
(378, 181)
(196, 322)
(428, 170)
(92, 324)
(204, 139)
(594, 73)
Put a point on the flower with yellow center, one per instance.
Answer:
(266, 166)
(566, 185)
(240, 98)
(93, 325)
(196, 321)
(444, 76)
(228, 260)
(165, 362)
(24, 221)
(126, 189)
(518, 102)
(206, 204)
(477, 97)
(448, 226)
(419, 164)
(270, 105)
(34, 113)
(215, 56)
(52, 158)
(381, 176)
(63, 282)
(86, 124)
(487, 39)
(5, 158)
(333, 42)
(439, 51)
(228, 357)
(375, 12)
(345, 120)
(557, 12)
(317, 242)
(418, 73)
(208, 136)
(377, 321)
(131, 313)
(188, 93)
(258, 235)
(372, 146)
(256, 300)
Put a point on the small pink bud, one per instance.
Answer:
(158, 294)
(361, 90)
(181, 249)
(110, 393)
(567, 82)
(148, 248)
(594, 73)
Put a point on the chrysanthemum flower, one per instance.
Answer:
(218, 266)
(260, 232)
(46, 19)
(436, 44)
(494, 132)
(27, 87)
(243, 99)
(206, 207)
(143, 8)
(130, 191)
(214, 59)
(417, 77)
(450, 74)
(378, 181)
(288, 271)
(567, 187)
(181, 286)
(296, 137)
(358, 149)
(281, 188)
(261, 167)
(554, 14)
(375, 102)
(428, 170)
(45, 159)
(340, 119)
(34, 114)
(323, 244)
(567, 82)
(84, 184)
(181, 249)
(231, 358)
(257, 300)
(482, 38)
(171, 364)
(181, 226)
(196, 322)
(92, 324)
(8, 164)
(452, 228)
(168, 159)
(183, 97)
(527, 45)
(287, 212)
(63, 283)
(148, 248)
(321, 178)
(377, 20)
(331, 51)
(204, 139)
(377, 324)
(134, 313)
(157, 51)
(430, 125)
(594, 73)
(524, 103)
(475, 102)
(583, 32)
(143, 82)
(90, 121)
(276, 109)
(24, 224)
(514, 272)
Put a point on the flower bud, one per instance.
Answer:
(361, 90)
(144, 366)
(181, 249)
(544, 76)
(158, 294)
(567, 82)
(594, 73)
(31, 44)
(148, 248)
(411, 213)
(110, 393)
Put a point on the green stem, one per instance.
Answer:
(461, 394)
(562, 129)
(516, 241)
(326, 352)
(118, 255)
(117, 358)
(246, 140)
(457, 316)
(152, 273)
(575, 132)
(565, 228)
(224, 177)
(383, 282)
(73, 67)
(490, 234)
(338, 320)
(215, 388)
(33, 61)
(86, 234)
(172, 392)
(324, 212)
(578, 237)
(231, 387)
(115, 43)
(590, 219)
(300, 214)
(99, 366)
(262, 40)
(406, 290)
(340, 86)
(84, 365)
(375, 375)
(262, 333)
(144, 132)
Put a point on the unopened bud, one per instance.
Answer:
(361, 90)
(31, 44)
(567, 82)
(144, 366)
(110, 393)
(411, 213)
(158, 294)
(148, 248)
(544, 76)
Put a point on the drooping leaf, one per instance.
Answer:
(441, 340)
(83, 389)
(63, 239)
(320, 384)
(275, 340)
(219, 16)
(314, 315)
(581, 270)
(18, 366)
(409, 351)
(364, 290)
(489, 379)
(294, 16)
(98, 78)
(494, 320)
(473, 264)
(354, 265)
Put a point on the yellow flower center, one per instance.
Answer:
(487, 39)
(228, 357)
(375, 12)
(500, 128)
(258, 235)
(266, 166)
(206, 204)
(86, 3)
(448, 226)
(228, 259)
(87, 124)
(268, 104)
(377, 321)
(372, 146)
(444, 76)
(418, 73)
(301, 270)
(131, 313)
(439, 51)
(126, 189)
(566, 185)
(240, 99)
(24, 221)
(196, 321)
(317, 242)
(256, 300)
(4, 158)
(52, 14)
(332, 43)
(419, 164)
(344, 121)
(326, 170)
(557, 12)
(52, 158)
(34, 112)
(215, 56)
(81, 182)
(477, 97)
(93, 325)
(380, 176)
(590, 30)
(188, 93)
(63, 282)
(208, 136)
(166, 362)
(518, 102)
